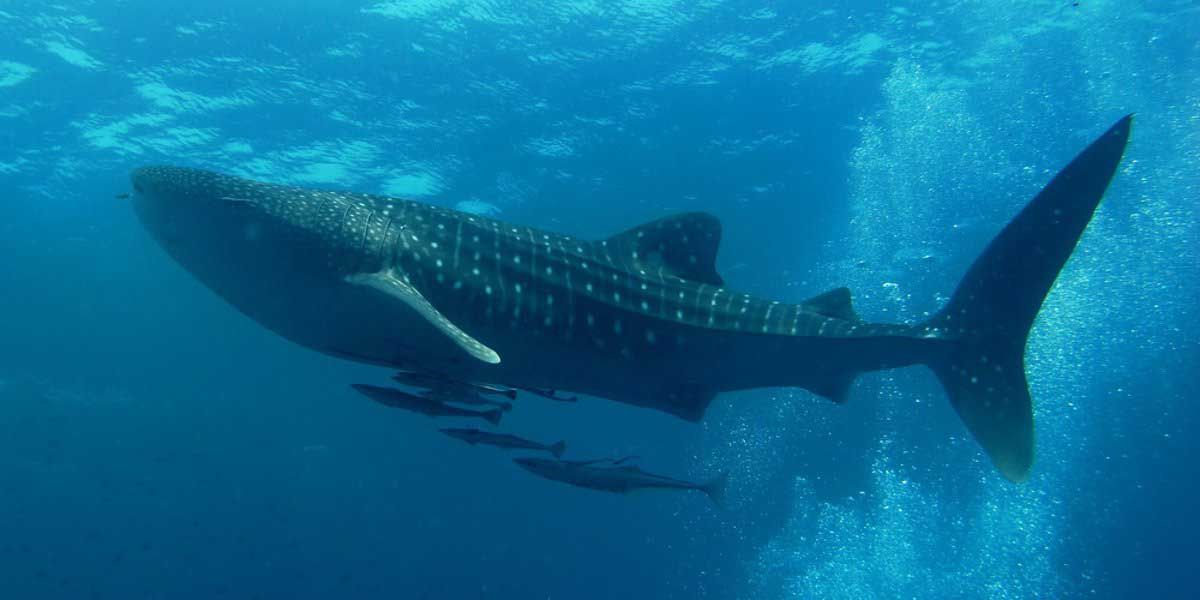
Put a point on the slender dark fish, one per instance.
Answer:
(619, 479)
(426, 406)
(491, 388)
(464, 396)
(549, 394)
(593, 461)
(504, 440)
(424, 379)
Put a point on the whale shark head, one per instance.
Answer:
(196, 216)
(252, 243)
(290, 258)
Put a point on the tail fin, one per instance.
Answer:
(989, 317)
(492, 416)
(715, 489)
(557, 449)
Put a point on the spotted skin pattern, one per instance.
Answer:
(522, 275)
(641, 317)
(626, 298)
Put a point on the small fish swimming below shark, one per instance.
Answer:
(551, 395)
(433, 381)
(504, 440)
(596, 461)
(420, 404)
(469, 397)
(442, 389)
(429, 380)
(618, 478)
(640, 317)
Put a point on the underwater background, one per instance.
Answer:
(154, 443)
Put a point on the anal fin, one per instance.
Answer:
(395, 287)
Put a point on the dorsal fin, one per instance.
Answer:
(835, 303)
(683, 245)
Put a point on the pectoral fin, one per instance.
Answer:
(398, 289)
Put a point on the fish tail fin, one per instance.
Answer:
(557, 449)
(493, 416)
(715, 489)
(987, 321)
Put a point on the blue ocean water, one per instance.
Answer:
(155, 443)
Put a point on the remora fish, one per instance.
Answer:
(504, 440)
(550, 395)
(618, 479)
(641, 317)
(426, 406)
(434, 381)
(593, 461)
(464, 396)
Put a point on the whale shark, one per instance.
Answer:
(641, 317)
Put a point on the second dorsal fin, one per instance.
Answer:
(835, 303)
(683, 245)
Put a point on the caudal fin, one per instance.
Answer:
(492, 416)
(715, 489)
(557, 449)
(989, 317)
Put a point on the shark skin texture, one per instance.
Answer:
(641, 317)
